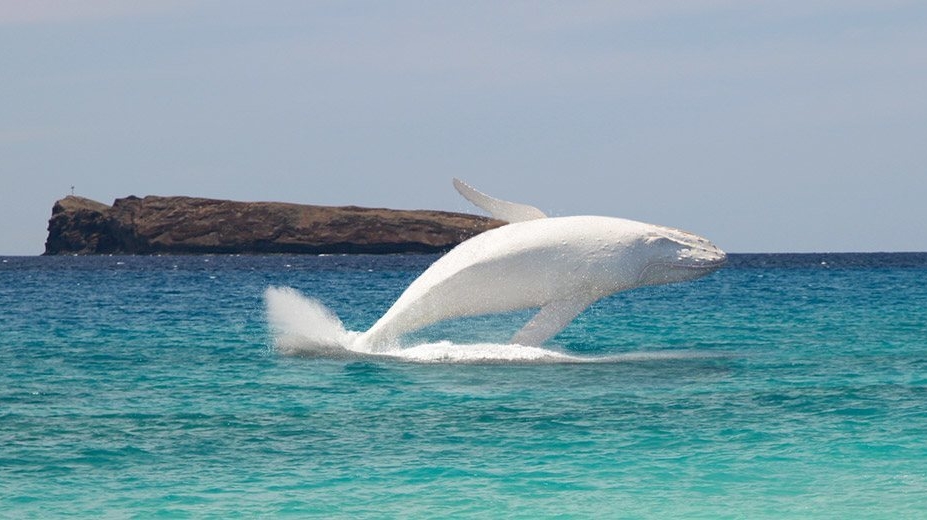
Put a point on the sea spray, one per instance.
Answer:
(304, 326)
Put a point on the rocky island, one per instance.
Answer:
(189, 225)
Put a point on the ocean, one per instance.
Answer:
(781, 386)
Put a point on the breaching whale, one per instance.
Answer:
(560, 265)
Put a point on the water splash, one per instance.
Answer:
(303, 326)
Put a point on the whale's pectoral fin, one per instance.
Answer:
(500, 209)
(550, 320)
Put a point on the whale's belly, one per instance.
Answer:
(519, 266)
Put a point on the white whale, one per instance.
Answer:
(559, 265)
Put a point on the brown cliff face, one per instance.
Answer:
(187, 225)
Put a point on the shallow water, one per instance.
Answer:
(781, 386)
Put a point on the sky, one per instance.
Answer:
(765, 126)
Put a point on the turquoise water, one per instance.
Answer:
(790, 386)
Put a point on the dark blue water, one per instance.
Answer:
(781, 386)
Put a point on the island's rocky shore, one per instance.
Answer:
(188, 225)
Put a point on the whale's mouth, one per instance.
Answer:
(682, 268)
(700, 257)
(711, 263)
(694, 251)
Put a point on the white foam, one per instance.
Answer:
(303, 326)
(448, 352)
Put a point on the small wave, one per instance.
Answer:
(305, 327)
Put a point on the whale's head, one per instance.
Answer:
(672, 255)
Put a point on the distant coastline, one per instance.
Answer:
(189, 225)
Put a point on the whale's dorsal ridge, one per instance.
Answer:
(498, 208)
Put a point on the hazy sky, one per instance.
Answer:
(762, 125)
